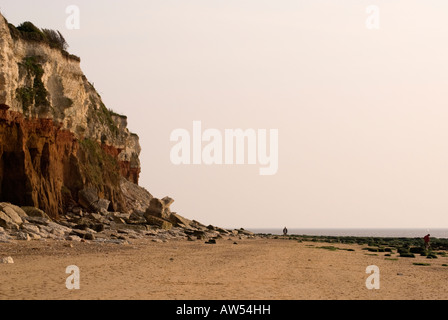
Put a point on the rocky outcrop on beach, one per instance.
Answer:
(28, 223)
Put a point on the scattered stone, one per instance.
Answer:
(179, 221)
(30, 228)
(97, 217)
(34, 224)
(101, 205)
(34, 236)
(200, 235)
(23, 236)
(38, 220)
(7, 260)
(73, 238)
(159, 222)
(89, 236)
(12, 214)
(245, 232)
(124, 226)
(222, 231)
(7, 223)
(22, 214)
(35, 212)
(77, 210)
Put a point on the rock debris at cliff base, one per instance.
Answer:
(32, 224)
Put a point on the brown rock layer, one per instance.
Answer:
(45, 166)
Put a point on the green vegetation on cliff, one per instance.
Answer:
(100, 113)
(98, 167)
(37, 94)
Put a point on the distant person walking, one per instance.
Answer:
(285, 231)
(427, 240)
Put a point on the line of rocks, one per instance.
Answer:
(78, 224)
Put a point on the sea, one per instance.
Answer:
(383, 233)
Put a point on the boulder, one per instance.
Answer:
(73, 238)
(7, 223)
(35, 212)
(159, 222)
(84, 224)
(38, 220)
(223, 231)
(179, 221)
(156, 208)
(23, 236)
(86, 197)
(89, 200)
(22, 214)
(137, 217)
(200, 235)
(167, 201)
(198, 225)
(98, 218)
(10, 212)
(137, 198)
(87, 235)
(101, 205)
(159, 208)
(34, 236)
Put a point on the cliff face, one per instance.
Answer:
(56, 136)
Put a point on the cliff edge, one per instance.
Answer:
(58, 141)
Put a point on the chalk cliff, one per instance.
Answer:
(57, 138)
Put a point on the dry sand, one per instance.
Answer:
(252, 269)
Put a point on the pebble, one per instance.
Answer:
(7, 260)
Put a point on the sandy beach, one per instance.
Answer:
(266, 269)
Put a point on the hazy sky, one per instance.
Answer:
(362, 114)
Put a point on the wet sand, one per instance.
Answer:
(252, 269)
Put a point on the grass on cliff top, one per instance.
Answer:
(29, 32)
